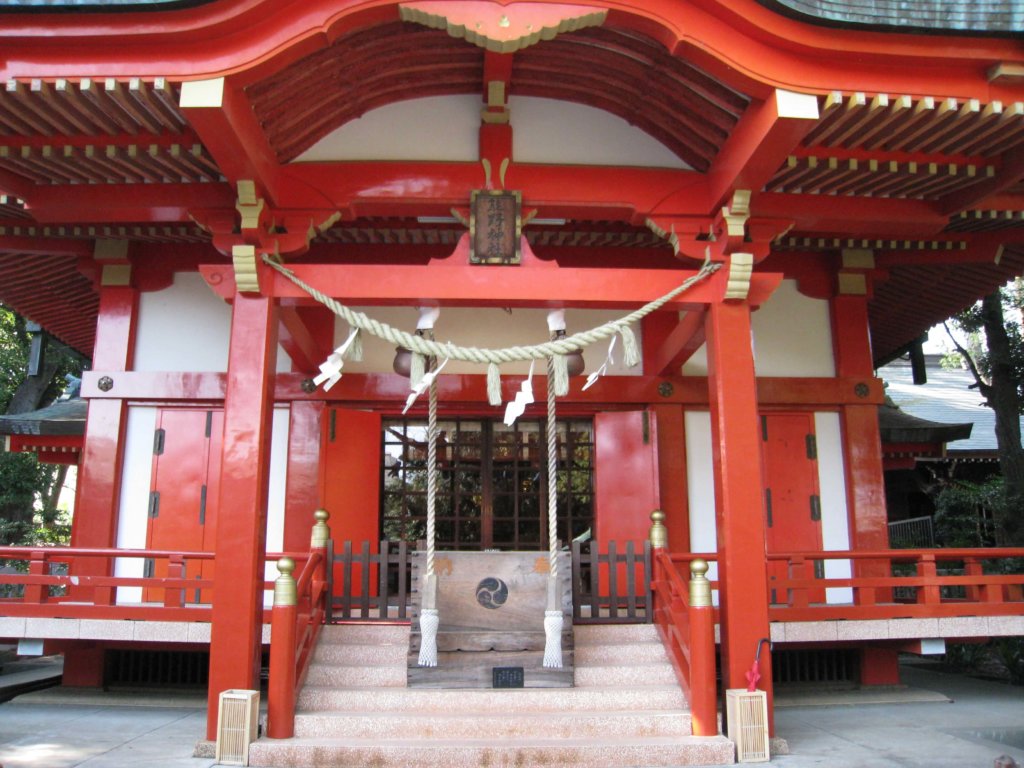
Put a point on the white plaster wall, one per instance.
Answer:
(186, 327)
(835, 519)
(136, 473)
(559, 132)
(792, 337)
(494, 328)
(700, 480)
(275, 494)
(446, 128)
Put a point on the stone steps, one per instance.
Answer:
(499, 725)
(452, 753)
(626, 709)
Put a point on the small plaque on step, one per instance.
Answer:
(508, 677)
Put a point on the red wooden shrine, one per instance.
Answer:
(856, 185)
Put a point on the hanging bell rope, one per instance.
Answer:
(553, 620)
(560, 346)
(429, 618)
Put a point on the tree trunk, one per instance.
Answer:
(1004, 399)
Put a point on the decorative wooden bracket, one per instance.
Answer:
(502, 28)
(247, 279)
(741, 268)
(249, 206)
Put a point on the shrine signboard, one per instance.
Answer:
(495, 226)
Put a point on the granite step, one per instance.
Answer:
(364, 634)
(361, 653)
(599, 634)
(639, 674)
(487, 702)
(620, 653)
(464, 725)
(357, 675)
(467, 753)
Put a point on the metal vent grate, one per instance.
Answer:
(145, 668)
(820, 665)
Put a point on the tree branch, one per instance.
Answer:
(983, 387)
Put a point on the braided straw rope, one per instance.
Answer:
(552, 477)
(429, 347)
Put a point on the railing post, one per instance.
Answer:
(658, 536)
(281, 685)
(37, 566)
(929, 594)
(704, 706)
(175, 570)
(319, 539)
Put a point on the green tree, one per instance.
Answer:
(994, 354)
(29, 490)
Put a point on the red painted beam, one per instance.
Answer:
(869, 217)
(126, 203)
(470, 389)
(473, 286)
(427, 188)
(974, 196)
(306, 335)
(759, 144)
(685, 339)
(234, 138)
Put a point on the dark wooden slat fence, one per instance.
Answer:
(612, 587)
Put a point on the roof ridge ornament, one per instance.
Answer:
(502, 28)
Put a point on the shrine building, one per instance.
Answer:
(451, 345)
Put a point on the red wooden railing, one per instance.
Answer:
(687, 628)
(300, 608)
(89, 592)
(936, 583)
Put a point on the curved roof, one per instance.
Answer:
(936, 16)
(625, 73)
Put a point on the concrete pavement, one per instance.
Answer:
(938, 721)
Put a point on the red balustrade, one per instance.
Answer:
(687, 628)
(922, 583)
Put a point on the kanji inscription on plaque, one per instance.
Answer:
(495, 226)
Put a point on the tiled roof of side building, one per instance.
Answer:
(946, 398)
(998, 17)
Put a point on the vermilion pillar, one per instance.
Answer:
(861, 434)
(735, 432)
(98, 494)
(99, 478)
(242, 523)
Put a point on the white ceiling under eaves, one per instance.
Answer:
(446, 129)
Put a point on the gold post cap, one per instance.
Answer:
(321, 531)
(658, 533)
(700, 587)
(284, 586)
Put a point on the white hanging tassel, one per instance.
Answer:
(524, 397)
(493, 384)
(429, 622)
(553, 626)
(630, 349)
(553, 639)
(330, 369)
(417, 367)
(608, 360)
